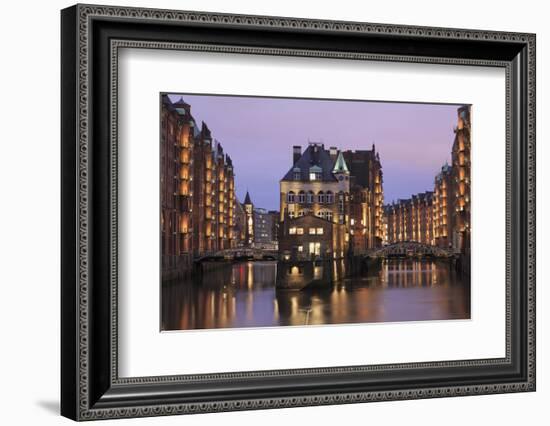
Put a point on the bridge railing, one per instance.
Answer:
(411, 248)
(237, 252)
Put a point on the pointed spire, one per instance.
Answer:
(182, 107)
(247, 198)
(180, 101)
(340, 165)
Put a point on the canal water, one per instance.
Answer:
(245, 295)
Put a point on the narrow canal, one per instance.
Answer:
(244, 295)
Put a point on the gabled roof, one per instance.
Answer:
(340, 165)
(205, 131)
(196, 130)
(314, 155)
(182, 107)
(445, 171)
(180, 103)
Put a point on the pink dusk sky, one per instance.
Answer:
(414, 140)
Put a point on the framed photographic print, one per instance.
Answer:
(263, 212)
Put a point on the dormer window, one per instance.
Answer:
(315, 173)
(297, 176)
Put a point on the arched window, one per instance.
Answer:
(309, 197)
(321, 197)
(329, 197)
(290, 197)
(301, 197)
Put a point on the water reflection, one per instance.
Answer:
(244, 295)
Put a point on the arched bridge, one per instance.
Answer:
(410, 249)
(239, 254)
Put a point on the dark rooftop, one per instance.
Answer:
(314, 155)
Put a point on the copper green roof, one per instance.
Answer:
(340, 165)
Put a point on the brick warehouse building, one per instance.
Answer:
(410, 219)
(366, 198)
(197, 190)
(321, 185)
(311, 236)
(442, 217)
(461, 166)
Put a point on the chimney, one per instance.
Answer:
(333, 153)
(296, 153)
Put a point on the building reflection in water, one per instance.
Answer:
(244, 295)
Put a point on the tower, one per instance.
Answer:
(341, 171)
(249, 213)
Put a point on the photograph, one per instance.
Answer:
(308, 212)
(264, 209)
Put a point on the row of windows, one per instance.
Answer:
(312, 175)
(300, 231)
(314, 248)
(310, 197)
(325, 214)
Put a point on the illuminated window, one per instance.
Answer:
(311, 231)
(315, 176)
(292, 231)
(317, 272)
(319, 231)
(315, 248)
(300, 231)
(300, 249)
